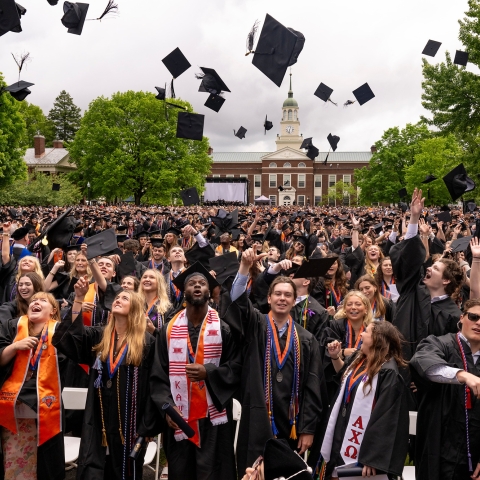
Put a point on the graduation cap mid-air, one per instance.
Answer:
(55, 187)
(190, 125)
(74, 16)
(176, 64)
(333, 141)
(402, 193)
(190, 196)
(458, 182)
(461, 58)
(240, 133)
(214, 102)
(10, 13)
(312, 151)
(277, 49)
(19, 90)
(430, 178)
(268, 125)
(323, 92)
(162, 93)
(431, 48)
(363, 94)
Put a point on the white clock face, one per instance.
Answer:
(289, 129)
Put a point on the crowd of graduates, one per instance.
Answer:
(328, 325)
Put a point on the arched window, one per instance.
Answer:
(286, 197)
(289, 114)
(273, 165)
(294, 114)
(284, 114)
(301, 165)
(287, 165)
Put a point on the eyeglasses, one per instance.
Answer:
(473, 317)
(255, 467)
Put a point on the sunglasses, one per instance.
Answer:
(255, 467)
(473, 317)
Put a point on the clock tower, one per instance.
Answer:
(290, 124)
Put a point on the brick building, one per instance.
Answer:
(304, 181)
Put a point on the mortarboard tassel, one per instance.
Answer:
(349, 102)
(326, 158)
(20, 61)
(331, 101)
(172, 90)
(251, 38)
(110, 8)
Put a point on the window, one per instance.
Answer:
(301, 180)
(230, 176)
(284, 114)
(287, 165)
(301, 165)
(273, 200)
(287, 180)
(289, 114)
(216, 175)
(294, 114)
(258, 181)
(318, 181)
(347, 179)
(273, 181)
(318, 200)
(332, 180)
(273, 165)
(301, 200)
(243, 176)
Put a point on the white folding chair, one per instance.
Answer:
(152, 449)
(73, 399)
(409, 472)
(237, 414)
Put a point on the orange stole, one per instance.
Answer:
(49, 413)
(87, 316)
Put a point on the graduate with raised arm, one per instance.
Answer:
(425, 306)
(281, 373)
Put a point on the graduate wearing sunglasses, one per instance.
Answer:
(446, 372)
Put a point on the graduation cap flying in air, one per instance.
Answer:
(214, 85)
(278, 48)
(161, 95)
(312, 151)
(240, 133)
(268, 125)
(458, 182)
(431, 48)
(75, 15)
(176, 64)
(430, 178)
(333, 141)
(323, 92)
(19, 90)
(190, 125)
(10, 13)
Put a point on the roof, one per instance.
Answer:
(52, 156)
(256, 157)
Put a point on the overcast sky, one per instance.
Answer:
(348, 43)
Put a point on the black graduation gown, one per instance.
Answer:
(385, 441)
(163, 268)
(415, 316)
(76, 341)
(316, 321)
(250, 329)
(50, 455)
(8, 310)
(215, 459)
(441, 451)
(177, 303)
(355, 260)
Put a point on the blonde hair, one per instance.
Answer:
(136, 327)
(369, 266)
(366, 303)
(37, 270)
(73, 270)
(51, 301)
(162, 303)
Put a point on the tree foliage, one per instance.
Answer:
(65, 116)
(12, 134)
(37, 190)
(36, 123)
(341, 193)
(385, 175)
(126, 146)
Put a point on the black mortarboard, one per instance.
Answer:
(469, 206)
(286, 226)
(176, 63)
(280, 461)
(69, 248)
(19, 90)
(162, 92)
(431, 48)
(224, 266)
(444, 217)
(461, 58)
(121, 237)
(60, 231)
(122, 228)
(402, 193)
(126, 266)
(190, 125)
(74, 15)
(13, 213)
(444, 208)
(307, 143)
(276, 49)
(268, 125)
(333, 141)
(363, 94)
(323, 92)
(56, 187)
(403, 206)
(20, 233)
(190, 196)
(200, 254)
(101, 244)
(214, 102)
(156, 242)
(312, 153)
(301, 239)
(240, 133)
(174, 230)
(378, 227)
(211, 82)
(315, 267)
(143, 233)
(197, 267)
(460, 244)
(429, 178)
(9, 17)
(458, 182)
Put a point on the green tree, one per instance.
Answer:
(341, 194)
(65, 116)
(126, 146)
(36, 122)
(37, 190)
(385, 175)
(12, 133)
(435, 156)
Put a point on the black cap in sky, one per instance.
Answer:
(214, 102)
(101, 244)
(315, 267)
(19, 90)
(9, 17)
(161, 93)
(56, 187)
(74, 15)
(190, 125)
(240, 133)
(461, 58)
(363, 94)
(323, 92)
(268, 125)
(312, 153)
(190, 196)
(430, 178)
(176, 63)
(276, 48)
(333, 141)
(211, 82)
(402, 193)
(200, 254)
(431, 48)
(458, 182)
(307, 143)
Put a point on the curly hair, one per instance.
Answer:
(454, 274)
(339, 280)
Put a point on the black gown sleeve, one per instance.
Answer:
(355, 260)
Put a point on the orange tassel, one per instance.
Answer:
(104, 438)
(293, 432)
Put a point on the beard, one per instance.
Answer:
(197, 302)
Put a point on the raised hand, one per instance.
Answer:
(475, 247)
(417, 204)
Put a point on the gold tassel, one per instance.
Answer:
(293, 432)
(122, 438)
(104, 438)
